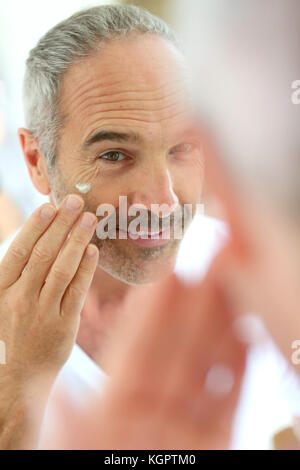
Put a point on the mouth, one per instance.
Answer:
(147, 239)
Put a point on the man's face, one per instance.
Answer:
(134, 92)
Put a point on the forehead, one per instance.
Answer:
(133, 82)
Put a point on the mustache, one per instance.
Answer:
(147, 220)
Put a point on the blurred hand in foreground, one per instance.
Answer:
(175, 369)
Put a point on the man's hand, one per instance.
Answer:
(44, 278)
(176, 368)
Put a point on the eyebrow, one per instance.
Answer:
(102, 135)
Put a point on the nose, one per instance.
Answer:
(155, 191)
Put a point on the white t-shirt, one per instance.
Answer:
(264, 406)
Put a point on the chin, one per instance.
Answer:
(136, 266)
(146, 273)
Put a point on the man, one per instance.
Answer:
(107, 115)
(124, 130)
(253, 172)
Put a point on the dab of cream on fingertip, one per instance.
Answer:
(83, 187)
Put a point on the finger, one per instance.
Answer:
(141, 368)
(164, 371)
(209, 363)
(146, 347)
(208, 333)
(66, 264)
(21, 248)
(48, 246)
(73, 299)
(152, 312)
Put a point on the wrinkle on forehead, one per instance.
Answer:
(151, 105)
(91, 86)
(141, 120)
(123, 90)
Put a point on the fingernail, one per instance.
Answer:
(88, 220)
(73, 203)
(219, 380)
(91, 251)
(47, 212)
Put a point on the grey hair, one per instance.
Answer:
(68, 42)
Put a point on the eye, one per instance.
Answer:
(112, 156)
(181, 148)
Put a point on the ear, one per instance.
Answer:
(35, 161)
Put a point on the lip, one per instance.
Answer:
(152, 241)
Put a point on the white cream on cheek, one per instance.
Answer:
(83, 188)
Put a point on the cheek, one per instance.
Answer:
(87, 179)
(103, 192)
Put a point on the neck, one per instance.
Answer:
(106, 289)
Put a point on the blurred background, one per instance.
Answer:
(21, 26)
